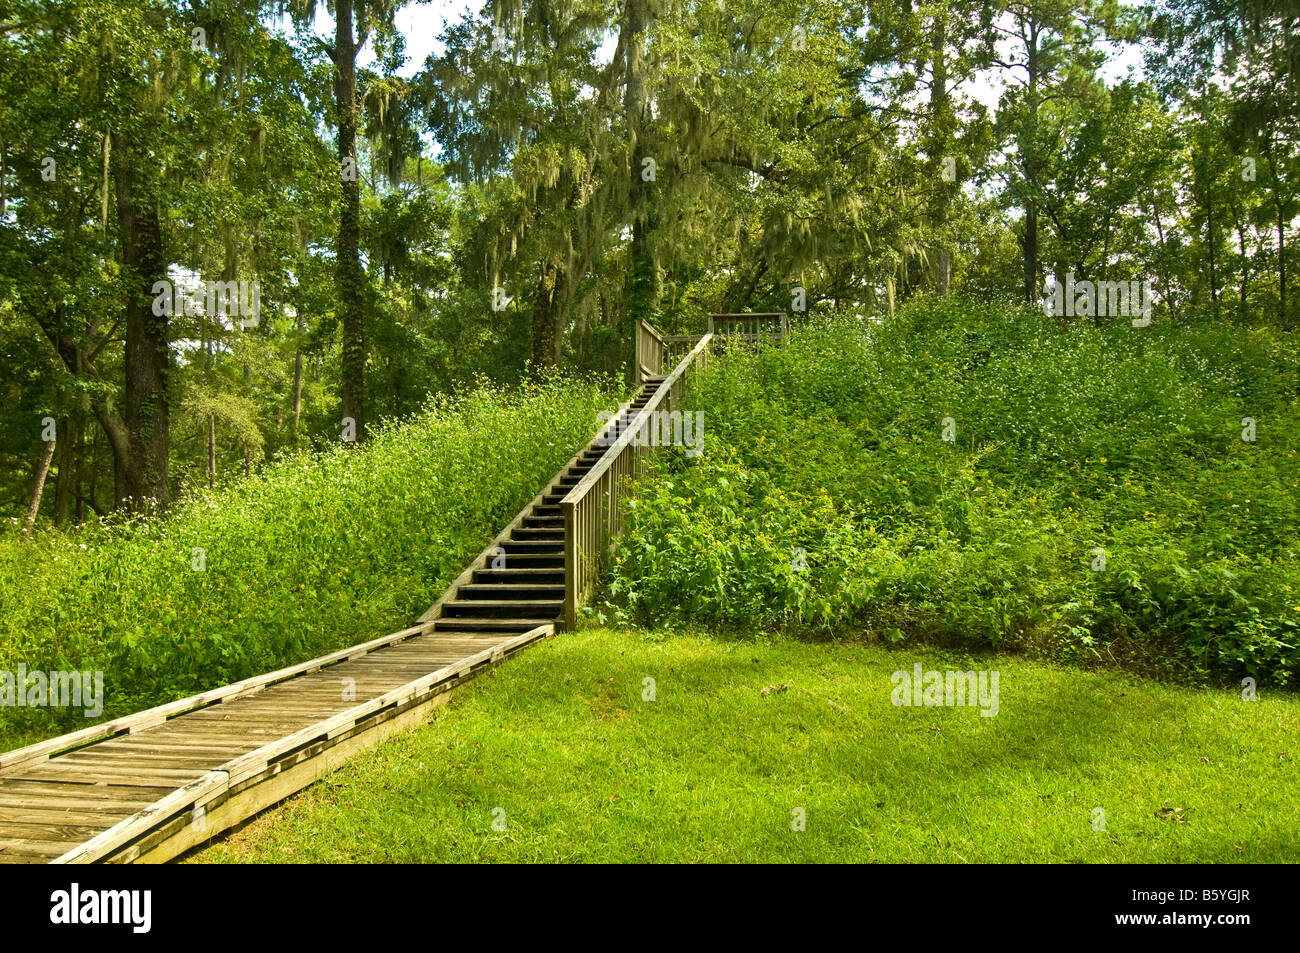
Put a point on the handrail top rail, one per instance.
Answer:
(583, 486)
(658, 335)
(749, 314)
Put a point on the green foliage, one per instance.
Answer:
(319, 551)
(1067, 440)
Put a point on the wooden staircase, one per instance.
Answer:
(518, 582)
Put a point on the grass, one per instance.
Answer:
(712, 769)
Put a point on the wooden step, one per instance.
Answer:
(535, 609)
(510, 590)
(527, 560)
(487, 626)
(546, 521)
(542, 547)
(553, 576)
(538, 532)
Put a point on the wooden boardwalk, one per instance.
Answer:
(149, 786)
(162, 782)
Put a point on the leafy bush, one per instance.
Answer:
(317, 552)
(1071, 442)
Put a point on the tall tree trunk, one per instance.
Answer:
(1031, 252)
(212, 450)
(640, 285)
(1164, 247)
(79, 498)
(145, 413)
(1210, 235)
(297, 380)
(1245, 269)
(1283, 316)
(1029, 150)
(940, 109)
(92, 490)
(38, 486)
(63, 478)
(350, 276)
(546, 329)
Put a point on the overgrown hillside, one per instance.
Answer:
(1098, 501)
(317, 552)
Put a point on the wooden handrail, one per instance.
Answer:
(649, 357)
(584, 485)
(592, 521)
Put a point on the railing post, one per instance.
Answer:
(571, 551)
(636, 356)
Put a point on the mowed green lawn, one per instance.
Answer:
(558, 747)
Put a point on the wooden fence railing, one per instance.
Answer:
(752, 327)
(594, 509)
(649, 351)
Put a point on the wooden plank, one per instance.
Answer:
(94, 815)
(52, 833)
(240, 719)
(72, 805)
(145, 761)
(14, 787)
(155, 777)
(170, 743)
(29, 851)
(288, 707)
(430, 661)
(102, 844)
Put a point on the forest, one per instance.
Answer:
(552, 173)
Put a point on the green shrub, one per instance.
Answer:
(1070, 439)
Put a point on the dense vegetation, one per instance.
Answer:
(1099, 500)
(320, 551)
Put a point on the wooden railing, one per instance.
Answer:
(677, 346)
(649, 351)
(751, 327)
(594, 509)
